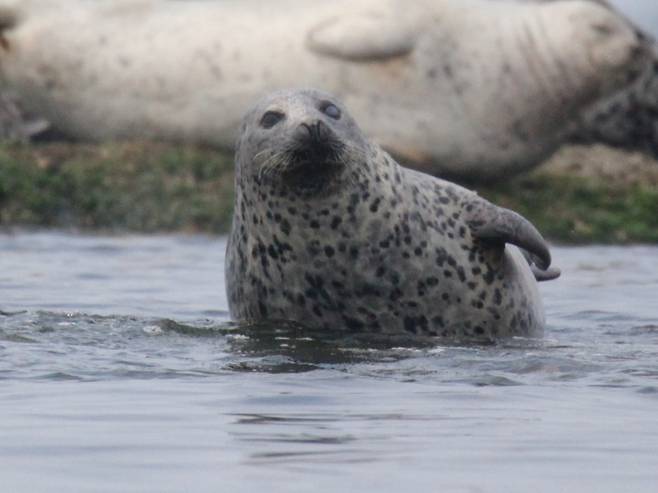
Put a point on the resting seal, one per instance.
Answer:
(329, 231)
(466, 88)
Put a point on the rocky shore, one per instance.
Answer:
(582, 195)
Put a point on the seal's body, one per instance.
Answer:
(329, 231)
(469, 88)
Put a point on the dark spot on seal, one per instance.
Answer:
(410, 325)
(353, 324)
(285, 227)
(374, 206)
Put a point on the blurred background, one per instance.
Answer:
(587, 192)
(643, 12)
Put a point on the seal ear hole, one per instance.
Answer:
(271, 118)
(330, 109)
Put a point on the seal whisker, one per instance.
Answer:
(271, 163)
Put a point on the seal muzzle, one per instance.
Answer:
(315, 139)
(315, 157)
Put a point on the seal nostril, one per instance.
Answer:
(321, 131)
(316, 132)
(305, 132)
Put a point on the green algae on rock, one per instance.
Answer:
(587, 195)
(135, 186)
(582, 195)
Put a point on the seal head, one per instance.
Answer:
(299, 142)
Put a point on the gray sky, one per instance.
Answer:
(644, 12)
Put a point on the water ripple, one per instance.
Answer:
(117, 360)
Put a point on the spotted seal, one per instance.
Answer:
(329, 231)
(467, 88)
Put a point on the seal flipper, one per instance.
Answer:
(545, 275)
(541, 274)
(369, 36)
(498, 225)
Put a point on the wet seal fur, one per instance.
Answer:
(465, 88)
(330, 232)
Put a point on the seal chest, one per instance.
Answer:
(330, 232)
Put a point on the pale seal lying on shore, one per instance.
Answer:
(466, 88)
(330, 232)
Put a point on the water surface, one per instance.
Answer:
(119, 371)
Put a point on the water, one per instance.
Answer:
(119, 372)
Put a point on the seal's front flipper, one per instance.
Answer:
(498, 225)
(541, 274)
(368, 36)
(545, 275)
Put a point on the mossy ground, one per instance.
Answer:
(572, 209)
(148, 187)
(135, 186)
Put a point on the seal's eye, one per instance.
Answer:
(331, 110)
(271, 118)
